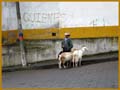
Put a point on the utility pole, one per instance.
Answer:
(22, 50)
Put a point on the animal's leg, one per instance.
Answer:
(76, 61)
(67, 63)
(76, 64)
(73, 64)
(60, 64)
(80, 61)
(73, 60)
(70, 63)
(64, 65)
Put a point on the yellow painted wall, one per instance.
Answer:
(82, 32)
(9, 37)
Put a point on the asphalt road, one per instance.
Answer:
(101, 75)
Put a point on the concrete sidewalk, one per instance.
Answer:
(53, 63)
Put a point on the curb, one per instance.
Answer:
(48, 64)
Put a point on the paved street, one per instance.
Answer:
(104, 74)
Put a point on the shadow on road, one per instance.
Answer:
(84, 63)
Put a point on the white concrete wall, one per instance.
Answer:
(83, 14)
(9, 16)
(37, 51)
(60, 14)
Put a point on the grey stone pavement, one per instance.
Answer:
(94, 75)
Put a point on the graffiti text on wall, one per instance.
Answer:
(42, 17)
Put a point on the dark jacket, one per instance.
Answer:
(67, 45)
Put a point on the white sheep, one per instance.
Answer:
(64, 57)
(77, 56)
